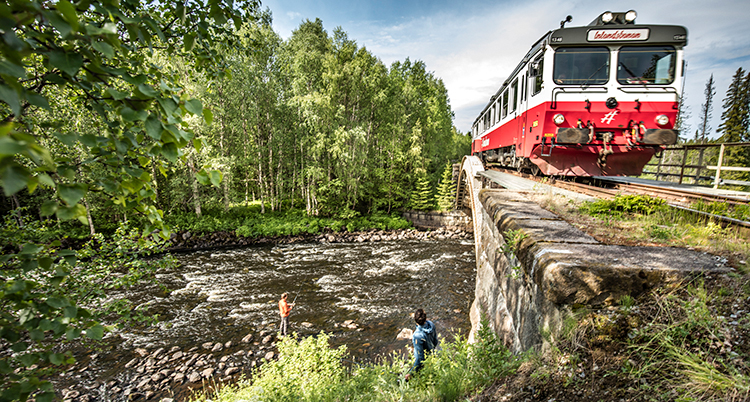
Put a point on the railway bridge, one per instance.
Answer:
(533, 267)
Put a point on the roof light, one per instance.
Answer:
(630, 16)
(607, 17)
(662, 120)
(559, 119)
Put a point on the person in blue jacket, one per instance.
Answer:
(424, 340)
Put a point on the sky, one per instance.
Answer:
(473, 45)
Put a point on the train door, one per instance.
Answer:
(523, 107)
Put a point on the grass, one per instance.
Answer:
(641, 220)
(309, 370)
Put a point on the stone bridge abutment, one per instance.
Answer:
(533, 267)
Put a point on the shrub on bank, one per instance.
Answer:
(309, 370)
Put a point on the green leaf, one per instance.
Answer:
(67, 61)
(56, 359)
(13, 177)
(69, 13)
(14, 70)
(208, 116)
(129, 114)
(104, 48)
(96, 332)
(72, 333)
(197, 144)
(202, 177)
(68, 213)
(148, 91)
(57, 302)
(189, 41)
(72, 193)
(9, 146)
(168, 105)
(70, 312)
(36, 335)
(194, 106)
(10, 96)
(117, 95)
(169, 150)
(45, 262)
(216, 177)
(37, 100)
(5, 368)
(48, 396)
(153, 127)
(19, 346)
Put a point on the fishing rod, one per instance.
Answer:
(298, 289)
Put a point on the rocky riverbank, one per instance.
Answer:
(110, 371)
(187, 241)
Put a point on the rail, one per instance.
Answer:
(666, 167)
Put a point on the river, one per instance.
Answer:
(362, 294)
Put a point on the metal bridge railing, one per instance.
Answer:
(692, 161)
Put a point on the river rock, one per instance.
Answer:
(405, 333)
(207, 372)
(144, 385)
(225, 358)
(217, 347)
(269, 355)
(207, 345)
(149, 394)
(248, 338)
(177, 355)
(306, 324)
(157, 352)
(228, 345)
(222, 366)
(141, 352)
(131, 363)
(194, 377)
(267, 339)
(232, 371)
(179, 378)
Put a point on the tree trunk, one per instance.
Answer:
(196, 194)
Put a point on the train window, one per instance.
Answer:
(646, 65)
(538, 75)
(581, 66)
(494, 114)
(514, 90)
(505, 104)
(523, 87)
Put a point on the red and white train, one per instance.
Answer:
(597, 100)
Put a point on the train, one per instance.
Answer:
(595, 100)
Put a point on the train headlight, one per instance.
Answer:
(662, 120)
(607, 17)
(559, 119)
(630, 16)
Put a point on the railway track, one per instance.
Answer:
(608, 189)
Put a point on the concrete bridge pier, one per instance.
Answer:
(533, 268)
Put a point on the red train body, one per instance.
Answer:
(587, 101)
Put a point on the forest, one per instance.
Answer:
(123, 121)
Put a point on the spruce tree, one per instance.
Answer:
(736, 122)
(707, 110)
(446, 192)
(422, 195)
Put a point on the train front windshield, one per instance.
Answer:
(581, 66)
(646, 65)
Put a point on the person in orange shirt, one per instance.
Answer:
(284, 310)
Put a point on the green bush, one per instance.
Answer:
(309, 370)
(625, 204)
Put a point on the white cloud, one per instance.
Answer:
(474, 47)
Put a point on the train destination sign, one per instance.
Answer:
(596, 35)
